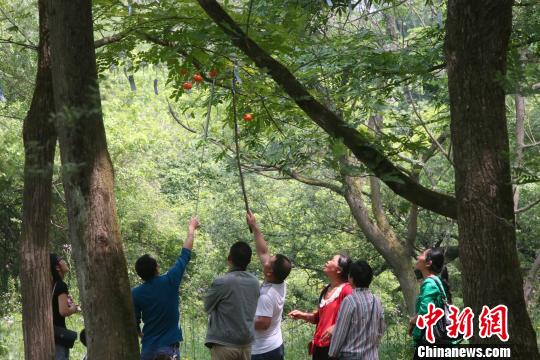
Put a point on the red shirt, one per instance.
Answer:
(327, 313)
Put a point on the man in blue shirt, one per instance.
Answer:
(156, 301)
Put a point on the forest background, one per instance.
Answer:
(378, 64)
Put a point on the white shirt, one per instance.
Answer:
(270, 304)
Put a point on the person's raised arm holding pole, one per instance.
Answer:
(268, 338)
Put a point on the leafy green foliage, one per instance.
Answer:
(365, 60)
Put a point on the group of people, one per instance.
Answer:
(244, 317)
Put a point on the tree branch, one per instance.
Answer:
(110, 39)
(24, 45)
(17, 28)
(531, 145)
(166, 43)
(175, 117)
(527, 207)
(366, 152)
(424, 126)
(314, 182)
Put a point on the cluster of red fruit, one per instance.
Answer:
(197, 78)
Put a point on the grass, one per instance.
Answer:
(394, 345)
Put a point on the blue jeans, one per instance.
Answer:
(276, 354)
(172, 351)
(61, 352)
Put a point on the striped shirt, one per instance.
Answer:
(359, 327)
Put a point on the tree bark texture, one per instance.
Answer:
(531, 279)
(386, 244)
(88, 184)
(39, 144)
(477, 36)
(520, 141)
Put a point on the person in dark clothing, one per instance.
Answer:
(62, 302)
(157, 300)
(82, 337)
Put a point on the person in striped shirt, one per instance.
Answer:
(360, 322)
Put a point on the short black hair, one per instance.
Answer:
(146, 267)
(82, 336)
(240, 254)
(281, 268)
(344, 262)
(361, 273)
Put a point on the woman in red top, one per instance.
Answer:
(337, 271)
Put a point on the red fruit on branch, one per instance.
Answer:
(212, 73)
(187, 85)
(197, 78)
(248, 117)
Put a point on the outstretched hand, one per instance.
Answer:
(251, 221)
(296, 314)
(193, 224)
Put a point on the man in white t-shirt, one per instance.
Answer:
(268, 344)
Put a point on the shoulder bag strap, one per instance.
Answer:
(443, 296)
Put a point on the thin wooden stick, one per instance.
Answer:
(235, 117)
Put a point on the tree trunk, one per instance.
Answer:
(476, 47)
(389, 247)
(39, 143)
(520, 141)
(530, 279)
(88, 183)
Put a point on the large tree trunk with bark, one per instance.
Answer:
(520, 141)
(531, 279)
(39, 144)
(476, 47)
(88, 183)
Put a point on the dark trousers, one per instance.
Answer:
(320, 353)
(173, 351)
(276, 354)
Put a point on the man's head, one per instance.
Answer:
(240, 255)
(279, 269)
(360, 274)
(59, 267)
(146, 267)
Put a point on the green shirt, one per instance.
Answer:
(429, 293)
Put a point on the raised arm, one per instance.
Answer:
(193, 225)
(176, 272)
(260, 243)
